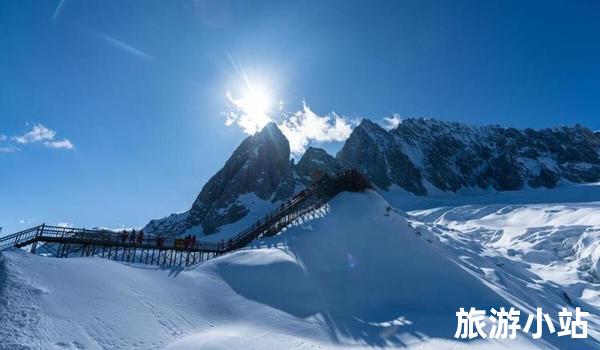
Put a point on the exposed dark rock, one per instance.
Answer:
(374, 151)
(260, 165)
(452, 155)
(418, 154)
(315, 160)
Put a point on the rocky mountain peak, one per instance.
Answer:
(371, 130)
(429, 153)
(419, 156)
(313, 161)
(259, 165)
(373, 150)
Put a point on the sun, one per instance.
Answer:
(253, 109)
(256, 103)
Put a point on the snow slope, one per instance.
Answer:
(564, 193)
(355, 276)
(554, 248)
(257, 209)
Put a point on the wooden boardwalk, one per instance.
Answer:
(167, 251)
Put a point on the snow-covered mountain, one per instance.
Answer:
(421, 156)
(376, 153)
(254, 179)
(385, 268)
(260, 165)
(314, 161)
(358, 274)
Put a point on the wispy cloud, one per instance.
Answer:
(116, 43)
(41, 134)
(66, 144)
(58, 10)
(119, 44)
(5, 147)
(9, 149)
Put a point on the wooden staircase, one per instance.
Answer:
(165, 251)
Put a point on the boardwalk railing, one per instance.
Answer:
(162, 250)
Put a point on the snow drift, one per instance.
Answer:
(355, 275)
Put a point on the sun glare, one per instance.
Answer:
(256, 103)
(254, 107)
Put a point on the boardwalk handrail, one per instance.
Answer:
(50, 233)
(13, 239)
(301, 203)
(286, 207)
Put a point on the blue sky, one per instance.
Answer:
(138, 88)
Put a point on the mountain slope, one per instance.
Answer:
(374, 151)
(315, 161)
(260, 165)
(329, 283)
(422, 155)
(543, 254)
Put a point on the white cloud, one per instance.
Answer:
(37, 134)
(40, 133)
(300, 128)
(66, 144)
(305, 126)
(9, 149)
(64, 224)
(392, 122)
(30, 221)
(249, 113)
(249, 124)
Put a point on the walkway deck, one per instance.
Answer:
(164, 251)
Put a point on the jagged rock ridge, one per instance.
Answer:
(427, 153)
(315, 161)
(419, 156)
(259, 165)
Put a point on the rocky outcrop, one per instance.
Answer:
(260, 165)
(419, 155)
(450, 156)
(315, 161)
(375, 152)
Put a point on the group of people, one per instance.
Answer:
(285, 204)
(189, 241)
(133, 236)
(137, 237)
(298, 195)
(347, 172)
